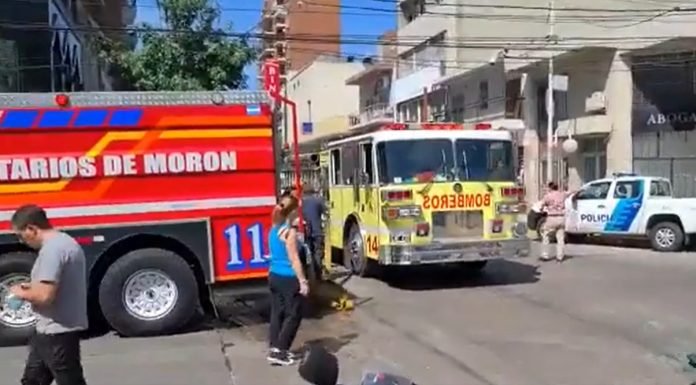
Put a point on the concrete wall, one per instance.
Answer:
(320, 92)
(428, 25)
(327, 126)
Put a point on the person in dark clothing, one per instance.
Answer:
(313, 207)
(287, 282)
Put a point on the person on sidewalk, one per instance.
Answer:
(57, 292)
(554, 205)
(287, 282)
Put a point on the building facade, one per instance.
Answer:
(296, 32)
(324, 101)
(475, 61)
(52, 54)
(374, 85)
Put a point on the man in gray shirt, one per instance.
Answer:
(58, 295)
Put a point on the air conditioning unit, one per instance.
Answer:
(596, 103)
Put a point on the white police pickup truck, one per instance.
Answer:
(628, 205)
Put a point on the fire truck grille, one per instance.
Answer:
(452, 226)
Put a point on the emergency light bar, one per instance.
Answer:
(121, 99)
(437, 126)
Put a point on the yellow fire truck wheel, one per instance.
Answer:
(354, 257)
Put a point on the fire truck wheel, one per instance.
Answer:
(147, 292)
(354, 258)
(16, 326)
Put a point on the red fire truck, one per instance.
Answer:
(169, 194)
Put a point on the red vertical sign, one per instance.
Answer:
(271, 78)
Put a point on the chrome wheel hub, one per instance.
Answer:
(665, 237)
(356, 250)
(149, 295)
(21, 317)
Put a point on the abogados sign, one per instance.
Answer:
(664, 97)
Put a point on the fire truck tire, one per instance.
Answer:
(15, 326)
(148, 292)
(354, 257)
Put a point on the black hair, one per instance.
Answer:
(553, 186)
(30, 215)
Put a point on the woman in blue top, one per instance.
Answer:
(286, 280)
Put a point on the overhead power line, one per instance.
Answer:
(573, 15)
(483, 42)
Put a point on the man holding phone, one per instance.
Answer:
(58, 294)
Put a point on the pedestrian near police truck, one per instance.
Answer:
(287, 282)
(57, 292)
(554, 205)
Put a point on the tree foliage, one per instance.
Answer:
(187, 53)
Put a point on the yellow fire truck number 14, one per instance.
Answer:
(372, 244)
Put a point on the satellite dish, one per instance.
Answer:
(570, 146)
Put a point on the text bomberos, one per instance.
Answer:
(67, 167)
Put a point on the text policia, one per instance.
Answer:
(66, 167)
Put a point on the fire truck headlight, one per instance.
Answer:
(409, 211)
(509, 208)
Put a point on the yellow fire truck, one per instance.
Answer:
(429, 193)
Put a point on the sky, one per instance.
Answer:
(245, 15)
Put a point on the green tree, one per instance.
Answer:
(187, 53)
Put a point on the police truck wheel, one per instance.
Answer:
(354, 257)
(667, 236)
(147, 292)
(16, 326)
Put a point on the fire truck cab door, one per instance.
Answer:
(366, 177)
(335, 196)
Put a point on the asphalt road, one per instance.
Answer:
(606, 316)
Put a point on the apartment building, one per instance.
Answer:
(296, 32)
(625, 81)
(42, 51)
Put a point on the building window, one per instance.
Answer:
(9, 66)
(483, 95)
(594, 159)
(457, 108)
(409, 111)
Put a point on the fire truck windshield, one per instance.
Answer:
(412, 161)
(484, 160)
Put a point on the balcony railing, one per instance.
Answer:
(372, 113)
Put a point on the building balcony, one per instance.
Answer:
(583, 125)
(415, 84)
(370, 73)
(379, 113)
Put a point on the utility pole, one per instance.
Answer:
(550, 108)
